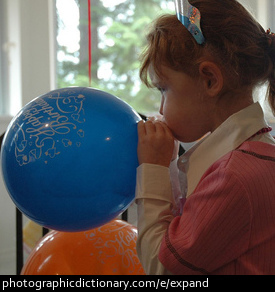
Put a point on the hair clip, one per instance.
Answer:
(190, 17)
(268, 32)
(271, 36)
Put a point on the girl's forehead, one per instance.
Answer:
(160, 76)
(153, 76)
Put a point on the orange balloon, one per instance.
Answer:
(106, 250)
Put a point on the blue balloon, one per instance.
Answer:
(69, 158)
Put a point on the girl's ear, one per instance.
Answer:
(212, 78)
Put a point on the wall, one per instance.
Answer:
(30, 53)
(7, 222)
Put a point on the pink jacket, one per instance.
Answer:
(228, 224)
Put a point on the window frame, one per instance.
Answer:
(3, 60)
(28, 51)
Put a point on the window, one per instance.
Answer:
(118, 30)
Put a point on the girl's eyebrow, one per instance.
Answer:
(157, 85)
(155, 82)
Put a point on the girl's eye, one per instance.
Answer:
(162, 90)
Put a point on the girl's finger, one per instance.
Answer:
(141, 128)
(150, 127)
(160, 127)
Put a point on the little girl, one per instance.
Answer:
(212, 210)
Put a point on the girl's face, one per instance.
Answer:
(184, 107)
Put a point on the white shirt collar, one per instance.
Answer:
(230, 135)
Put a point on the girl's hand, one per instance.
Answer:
(155, 143)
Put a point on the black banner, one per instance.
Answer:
(125, 283)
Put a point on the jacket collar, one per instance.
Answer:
(238, 128)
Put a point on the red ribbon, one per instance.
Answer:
(90, 41)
